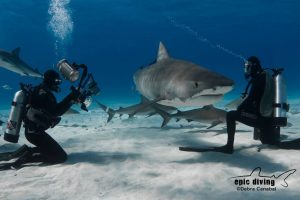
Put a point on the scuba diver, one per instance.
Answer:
(42, 112)
(249, 111)
(262, 108)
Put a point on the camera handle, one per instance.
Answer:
(83, 76)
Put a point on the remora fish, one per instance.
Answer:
(12, 62)
(131, 110)
(173, 82)
(208, 114)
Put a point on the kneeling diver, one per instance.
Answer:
(44, 112)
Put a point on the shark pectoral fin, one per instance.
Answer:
(214, 123)
(16, 52)
(151, 114)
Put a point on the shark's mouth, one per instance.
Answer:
(211, 95)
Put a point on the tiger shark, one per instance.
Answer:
(12, 62)
(173, 82)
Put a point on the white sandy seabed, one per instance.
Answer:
(136, 159)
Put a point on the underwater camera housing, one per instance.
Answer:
(88, 89)
(87, 85)
(69, 72)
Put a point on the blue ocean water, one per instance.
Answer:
(114, 38)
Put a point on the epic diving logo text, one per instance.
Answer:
(255, 181)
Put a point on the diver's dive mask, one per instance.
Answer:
(248, 69)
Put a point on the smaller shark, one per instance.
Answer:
(6, 87)
(207, 114)
(12, 62)
(139, 108)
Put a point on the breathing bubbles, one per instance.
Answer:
(60, 24)
(203, 39)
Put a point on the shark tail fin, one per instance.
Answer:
(111, 113)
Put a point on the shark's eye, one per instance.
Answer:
(196, 85)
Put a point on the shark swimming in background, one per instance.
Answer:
(174, 82)
(6, 87)
(136, 109)
(12, 62)
(208, 115)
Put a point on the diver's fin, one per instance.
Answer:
(5, 156)
(292, 144)
(223, 149)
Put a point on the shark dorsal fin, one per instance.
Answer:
(207, 107)
(16, 52)
(162, 52)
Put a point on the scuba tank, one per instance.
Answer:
(17, 111)
(14, 122)
(280, 99)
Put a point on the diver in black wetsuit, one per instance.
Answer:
(256, 111)
(44, 112)
(248, 112)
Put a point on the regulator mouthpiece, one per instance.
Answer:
(68, 71)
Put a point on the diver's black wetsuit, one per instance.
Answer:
(249, 113)
(47, 149)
